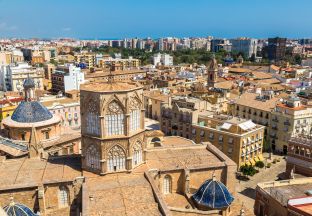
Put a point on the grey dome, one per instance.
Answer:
(30, 112)
(16, 209)
(28, 83)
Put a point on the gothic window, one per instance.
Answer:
(134, 115)
(114, 119)
(116, 159)
(93, 120)
(167, 184)
(63, 196)
(93, 157)
(137, 154)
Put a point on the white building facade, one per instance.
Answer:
(163, 59)
(12, 76)
(248, 46)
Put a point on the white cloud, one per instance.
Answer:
(5, 27)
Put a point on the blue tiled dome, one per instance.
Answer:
(213, 194)
(31, 111)
(16, 209)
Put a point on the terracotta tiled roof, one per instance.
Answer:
(154, 133)
(249, 100)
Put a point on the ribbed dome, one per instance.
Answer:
(16, 209)
(30, 112)
(213, 194)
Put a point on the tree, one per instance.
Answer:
(297, 59)
(259, 164)
(248, 170)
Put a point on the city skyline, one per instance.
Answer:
(109, 19)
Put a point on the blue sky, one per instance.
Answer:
(155, 18)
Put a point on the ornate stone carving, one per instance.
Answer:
(116, 151)
(137, 146)
(114, 108)
(134, 103)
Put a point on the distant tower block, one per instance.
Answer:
(212, 72)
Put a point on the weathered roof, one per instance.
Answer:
(30, 172)
(249, 100)
(119, 194)
(110, 87)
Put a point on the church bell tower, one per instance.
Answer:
(212, 73)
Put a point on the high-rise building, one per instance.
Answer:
(164, 59)
(247, 46)
(218, 44)
(276, 48)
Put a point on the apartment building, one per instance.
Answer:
(284, 118)
(276, 48)
(256, 107)
(240, 139)
(284, 198)
(153, 102)
(86, 58)
(299, 157)
(162, 59)
(8, 105)
(248, 46)
(178, 116)
(9, 57)
(66, 108)
(67, 78)
(12, 76)
(119, 63)
(289, 118)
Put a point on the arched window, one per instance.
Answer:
(63, 196)
(114, 119)
(93, 120)
(137, 154)
(135, 115)
(116, 159)
(167, 184)
(93, 157)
